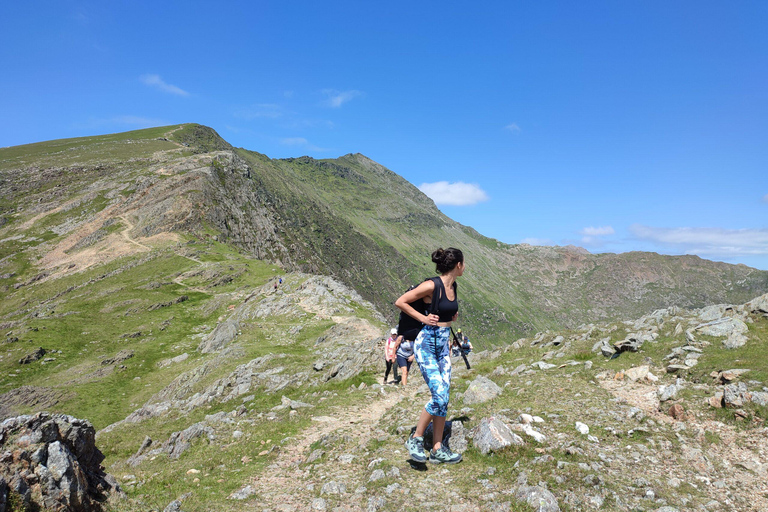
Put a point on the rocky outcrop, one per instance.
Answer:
(481, 390)
(51, 462)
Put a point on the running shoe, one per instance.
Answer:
(444, 454)
(415, 447)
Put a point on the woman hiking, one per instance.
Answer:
(432, 350)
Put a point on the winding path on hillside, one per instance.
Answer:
(285, 482)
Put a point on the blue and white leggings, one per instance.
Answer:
(433, 355)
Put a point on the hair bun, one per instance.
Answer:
(438, 255)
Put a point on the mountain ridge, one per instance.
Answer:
(353, 218)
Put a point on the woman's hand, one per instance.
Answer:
(431, 319)
(410, 359)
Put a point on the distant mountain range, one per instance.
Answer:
(65, 206)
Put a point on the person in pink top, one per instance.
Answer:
(389, 354)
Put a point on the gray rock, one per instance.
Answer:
(376, 503)
(179, 442)
(667, 392)
(537, 497)
(33, 356)
(758, 305)
(243, 494)
(377, 474)
(315, 455)
(734, 395)
(318, 504)
(492, 434)
(760, 398)
(334, 487)
(174, 506)
(59, 467)
(221, 336)
(723, 327)
(294, 404)
(481, 390)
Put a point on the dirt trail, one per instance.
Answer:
(126, 233)
(286, 483)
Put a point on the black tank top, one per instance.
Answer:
(446, 309)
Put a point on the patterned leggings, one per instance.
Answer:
(433, 355)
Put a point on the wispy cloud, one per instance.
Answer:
(260, 110)
(514, 128)
(158, 83)
(599, 231)
(454, 194)
(335, 99)
(593, 236)
(717, 242)
(765, 198)
(537, 241)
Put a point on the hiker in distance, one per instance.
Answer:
(390, 346)
(432, 350)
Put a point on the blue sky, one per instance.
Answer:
(615, 126)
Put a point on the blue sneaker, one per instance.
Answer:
(444, 454)
(415, 447)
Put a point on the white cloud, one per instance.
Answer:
(512, 127)
(765, 198)
(454, 194)
(707, 241)
(335, 98)
(537, 241)
(159, 84)
(260, 110)
(599, 231)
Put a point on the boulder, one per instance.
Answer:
(492, 435)
(758, 305)
(735, 395)
(637, 373)
(481, 390)
(723, 327)
(63, 468)
(668, 392)
(537, 497)
(221, 336)
(33, 356)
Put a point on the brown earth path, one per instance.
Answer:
(284, 482)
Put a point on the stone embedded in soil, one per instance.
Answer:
(492, 435)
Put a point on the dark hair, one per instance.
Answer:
(446, 259)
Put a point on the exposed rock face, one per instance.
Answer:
(52, 462)
(481, 390)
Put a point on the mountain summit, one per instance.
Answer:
(67, 205)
